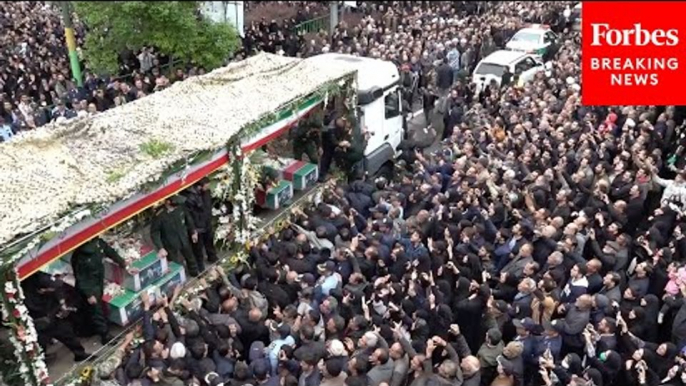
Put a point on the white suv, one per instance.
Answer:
(492, 68)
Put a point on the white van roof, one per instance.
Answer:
(370, 72)
(503, 57)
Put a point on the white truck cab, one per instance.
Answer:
(492, 68)
(379, 107)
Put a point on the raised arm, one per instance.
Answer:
(463, 349)
(662, 182)
(225, 279)
(407, 347)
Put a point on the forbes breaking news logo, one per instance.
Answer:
(631, 58)
(624, 70)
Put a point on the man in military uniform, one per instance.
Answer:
(89, 272)
(199, 204)
(103, 373)
(306, 138)
(349, 150)
(47, 306)
(170, 229)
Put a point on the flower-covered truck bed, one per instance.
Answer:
(102, 159)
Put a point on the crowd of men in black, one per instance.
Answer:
(542, 243)
(35, 76)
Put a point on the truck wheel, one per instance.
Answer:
(385, 171)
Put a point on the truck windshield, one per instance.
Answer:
(490, 69)
(526, 37)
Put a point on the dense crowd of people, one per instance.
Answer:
(542, 243)
(279, 36)
(419, 36)
(36, 81)
(37, 86)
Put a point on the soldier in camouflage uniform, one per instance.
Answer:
(169, 231)
(103, 373)
(89, 272)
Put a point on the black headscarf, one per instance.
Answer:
(651, 309)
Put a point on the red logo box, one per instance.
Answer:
(633, 53)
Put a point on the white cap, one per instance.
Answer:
(178, 350)
(336, 348)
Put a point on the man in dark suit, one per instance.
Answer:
(444, 80)
(634, 208)
(506, 79)
(679, 322)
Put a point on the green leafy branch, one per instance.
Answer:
(115, 176)
(156, 148)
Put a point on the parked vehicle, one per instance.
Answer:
(521, 65)
(536, 39)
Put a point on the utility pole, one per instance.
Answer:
(71, 42)
(333, 16)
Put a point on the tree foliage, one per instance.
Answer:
(174, 27)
